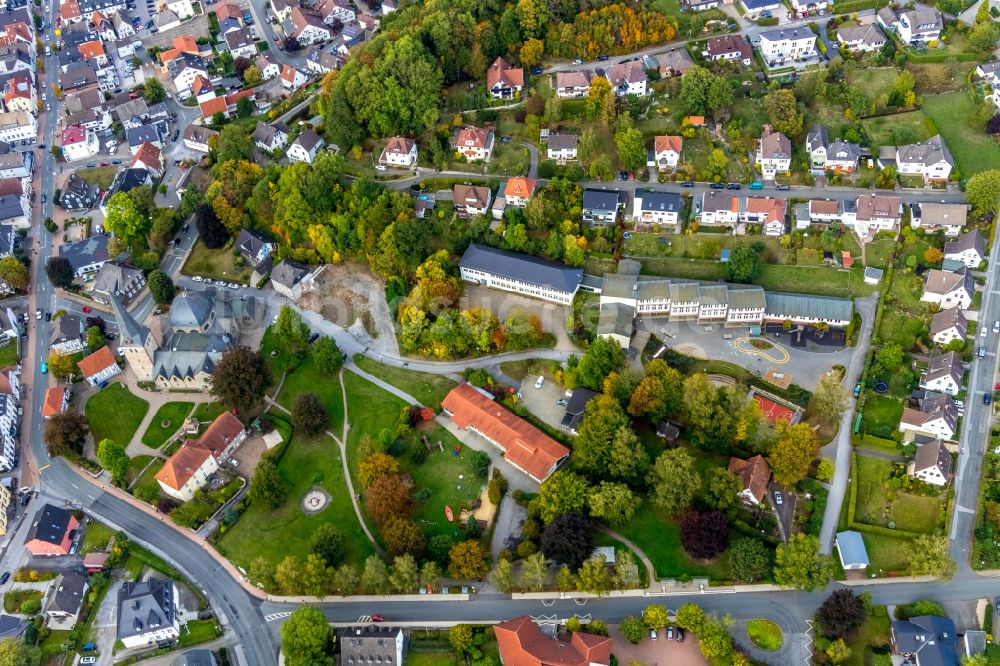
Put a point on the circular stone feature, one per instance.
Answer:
(315, 501)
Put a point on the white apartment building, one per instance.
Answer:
(16, 126)
(520, 273)
(787, 45)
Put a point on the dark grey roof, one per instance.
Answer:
(88, 251)
(11, 627)
(945, 319)
(932, 638)
(145, 606)
(250, 243)
(67, 327)
(69, 595)
(813, 307)
(119, 278)
(928, 152)
(818, 137)
(289, 273)
(195, 658)
(933, 454)
(852, 548)
(562, 141)
(971, 240)
(617, 319)
(576, 406)
(184, 60)
(11, 207)
(369, 645)
(77, 75)
(659, 201)
(77, 194)
(947, 364)
(781, 34)
(127, 180)
(309, 140)
(50, 525)
(522, 267)
(842, 151)
(192, 309)
(601, 200)
(137, 136)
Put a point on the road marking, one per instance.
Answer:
(962, 509)
(42, 469)
(745, 346)
(276, 616)
(365, 618)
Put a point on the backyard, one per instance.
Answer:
(952, 112)
(115, 414)
(896, 509)
(898, 129)
(427, 388)
(906, 317)
(219, 264)
(881, 414)
(167, 420)
(659, 537)
(100, 176)
(307, 378)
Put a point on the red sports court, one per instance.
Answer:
(772, 411)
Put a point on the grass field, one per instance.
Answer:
(100, 176)
(96, 537)
(135, 466)
(216, 264)
(874, 632)
(207, 411)
(907, 316)
(414, 658)
(198, 631)
(8, 355)
(972, 151)
(147, 483)
(887, 554)
(172, 414)
(898, 129)
(881, 414)
(820, 281)
(911, 513)
(274, 535)
(660, 538)
(307, 378)
(873, 81)
(429, 389)
(369, 409)
(764, 634)
(115, 414)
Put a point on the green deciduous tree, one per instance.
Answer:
(792, 453)
(327, 355)
(615, 503)
(267, 488)
(534, 572)
(60, 272)
(720, 488)
(468, 560)
(599, 438)
(690, 617)
(461, 636)
(655, 616)
(983, 191)
(673, 481)
(375, 576)
(743, 265)
(749, 560)
(14, 273)
(601, 358)
(16, 653)
(124, 220)
(153, 91)
(66, 433)
(783, 111)
(307, 638)
(632, 628)
(799, 564)
(830, 399)
(309, 415)
(502, 576)
(594, 576)
(405, 576)
(929, 557)
(631, 148)
(241, 378)
(113, 458)
(601, 101)
(328, 543)
(161, 287)
(561, 493)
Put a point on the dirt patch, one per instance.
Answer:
(504, 304)
(347, 293)
(692, 350)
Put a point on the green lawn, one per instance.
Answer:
(898, 129)
(147, 482)
(307, 378)
(96, 537)
(115, 414)
(906, 316)
(207, 411)
(973, 152)
(429, 389)
(167, 420)
(8, 355)
(874, 81)
(887, 554)
(879, 252)
(286, 531)
(430, 658)
(369, 409)
(219, 264)
(874, 632)
(659, 537)
(908, 512)
(100, 176)
(198, 631)
(135, 467)
(881, 414)
(764, 634)
(821, 281)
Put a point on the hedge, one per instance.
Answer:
(857, 5)
(767, 21)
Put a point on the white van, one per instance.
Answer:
(541, 380)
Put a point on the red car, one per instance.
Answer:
(377, 618)
(996, 387)
(86, 309)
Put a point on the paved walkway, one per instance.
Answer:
(654, 585)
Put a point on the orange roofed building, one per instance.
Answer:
(525, 447)
(99, 367)
(56, 401)
(186, 472)
(755, 475)
(522, 643)
(518, 190)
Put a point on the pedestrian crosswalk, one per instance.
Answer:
(271, 617)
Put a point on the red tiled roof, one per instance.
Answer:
(74, 134)
(90, 50)
(212, 106)
(664, 143)
(775, 208)
(99, 360)
(224, 429)
(525, 446)
(149, 155)
(399, 145)
(229, 10)
(500, 71)
(522, 643)
(755, 473)
(53, 401)
(70, 9)
(477, 136)
(519, 187)
(181, 466)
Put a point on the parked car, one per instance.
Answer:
(652, 634)
(561, 402)
(313, 338)
(38, 313)
(577, 62)
(987, 398)
(377, 618)
(680, 635)
(716, 186)
(687, 183)
(602, 58)
(733, 186)
(5, 577)
(45, 368)
(784, 187)
(197, 278)
(89, 660)
(234, 462)
(231, 285)
(48, 316)
(89, 647)
(777, 498)
(536, 71)
(539, 382)
(86, 308)
(670, 632)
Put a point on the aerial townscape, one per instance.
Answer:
(499, 332)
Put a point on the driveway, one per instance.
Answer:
(503, 304)
(509, 520)
(785, 511)
(542, 402)
(805, 367)
(660, 652)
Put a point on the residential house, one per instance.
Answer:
(399, 152)
(282, 9)
(371, 645)
(842, 157)
(186, 472)
(145, 134)
(125, 180)
(305, 147)
(79, 143)
(785, 45)
(504, 81)
(87, 255)
(337, 10)
(616, 322)
(933, 217)
(628, 78)
(517, 191)
(268, 66)
(254, 246)
(667, 152)
(474, 144)
(197, 137)
(520, 273)
(861, 38)
(389, 6)
(118, 279)
(936, 417)
(16, 164)
(561, 147)
(195, 658)
(524, 446)
(872, 213)
(291, 78)
(351, 36)
(148, 157)
(572, 83)
(67, 335)
(674, 62)
(56, 401)
(324, 59)
(13, 211)
(943, 374)
(19, 94)
(222, 436)
(241, 43)
(270, 137)
(523, 643)
(183, 68)
(148, 612)
(949, 290)
(17, 127)
(657, 207)
(759, 8)
(930, 159)
(182, 8)
(471, 200)
(52, 532)
(852, 552)
(969, 248)
(230, 17)
(774, 154)
(600, 207)
(729, 47)
(817, 139)
(932, 463)
(309, 27)
(719, 208)
(925, 640)
(64, 599)
(919, 25)
(764, 211)
(289, 278)
(576, 407)
(99, 367)
(948, 325)
(77, 75)
(754, 474)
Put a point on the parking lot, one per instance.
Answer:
(543, 402)
(659, 652)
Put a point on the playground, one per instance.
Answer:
(774, 409)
